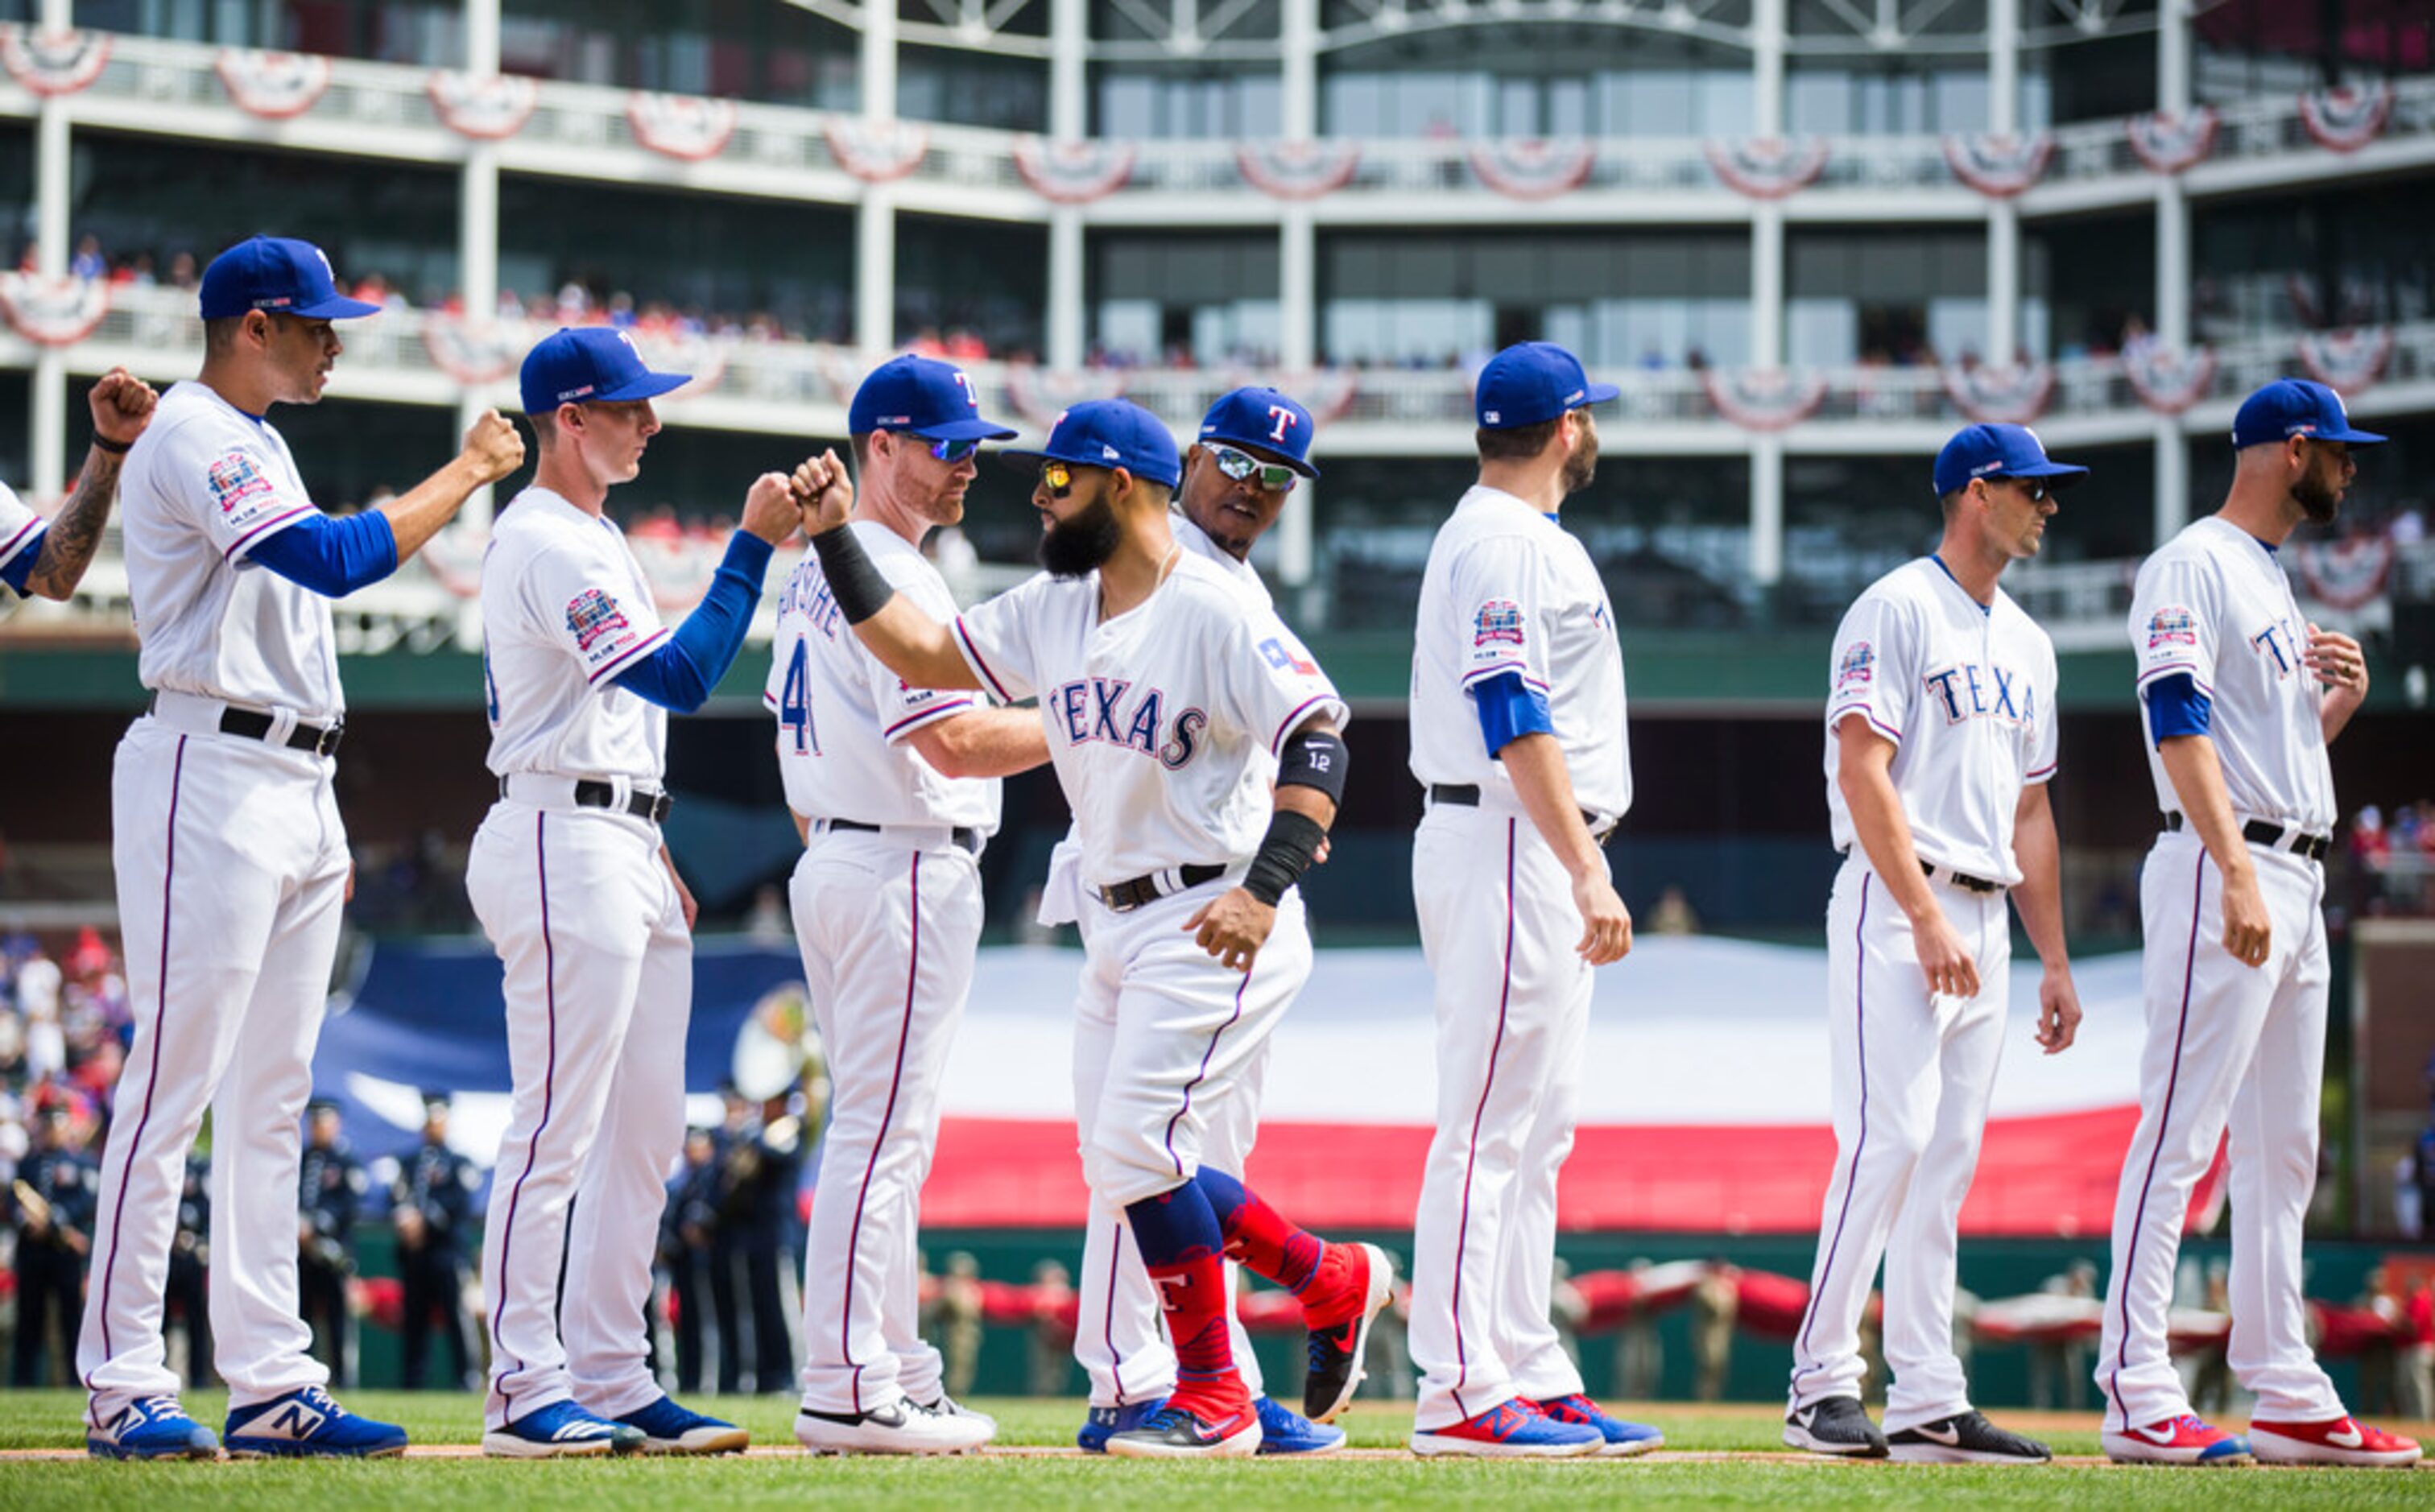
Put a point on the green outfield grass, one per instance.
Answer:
(48, 1420)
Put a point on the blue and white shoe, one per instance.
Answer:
(671, 1429)
(1621, 1438)
(1106, 1422)
(151, 1428)
(561, 1431)
(309, 1423)
(1284, 1431)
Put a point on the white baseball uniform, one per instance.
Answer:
(1121, 1340)
(232, 868)
(599, 964)
(887, 922)
(20, 536)
(2227, 1041)
(1507, 590)
(1162, 723)
(1966, 693)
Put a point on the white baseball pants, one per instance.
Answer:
(599, 986)
(887, 929)
(232, 868)
(1498, 927)
(2228, 1046)
(1911, 1074)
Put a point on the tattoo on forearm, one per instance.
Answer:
(68, 546)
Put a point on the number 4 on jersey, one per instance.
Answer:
(795, 704)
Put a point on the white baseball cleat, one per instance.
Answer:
(898, 1428)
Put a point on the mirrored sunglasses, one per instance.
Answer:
(1273, 478)
(1057, 478)
(948, 451)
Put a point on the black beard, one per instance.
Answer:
(1082, 544)
(1582, 466)
(2318, 502)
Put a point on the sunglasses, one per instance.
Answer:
(2036, 489)
(1272, 477)
(947, 451)
(1057, 478)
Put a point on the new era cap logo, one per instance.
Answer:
(1110, 453)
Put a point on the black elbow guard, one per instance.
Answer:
(1292, 841)
(1314, 757)
(855, 580)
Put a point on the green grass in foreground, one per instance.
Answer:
(30, 1421)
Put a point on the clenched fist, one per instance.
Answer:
(495, 446)
(824, 491)
(769, 509)
(122, 406)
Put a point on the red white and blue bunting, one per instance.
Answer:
(1328, 393)
(487, 107)
(2168, 143)
(1534, 167)
(2346, 575)
(473, 352)
(275, 86)
(1298, 170)
(1073, 173)
(2348, 362)
(704, 357)
(2006, 395)
(1998, 164)
(1764, 399)
(684, 126)
(53, 63)
(2167, 381)
(1770, 167)
(1040, 396)
(52, 312)
(2347, 119)
(875, 151)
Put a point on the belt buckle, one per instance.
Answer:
(326, 743)
(660, 803)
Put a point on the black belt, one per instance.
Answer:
(593, 794)
(1466, 796)
(965, 837)
(2271, 834)
(1966, 882)
(321, 740)
(1125, 897)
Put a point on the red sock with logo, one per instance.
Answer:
(1175, 1232)
(1258, 1237)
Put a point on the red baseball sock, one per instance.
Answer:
(1194, 1296)
(1258, 1237)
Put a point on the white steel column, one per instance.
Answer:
(1069, 120)
(1298, 267)
(2173, 325)
(2003, 215)
(48, 477)
(874, 224)
(477, 226)
(1766, 296)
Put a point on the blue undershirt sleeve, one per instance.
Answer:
(2175, 707)
(1509, 709)
(19, 570)
(680, 675)
(331, 555)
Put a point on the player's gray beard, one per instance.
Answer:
(2319, 502)
(1082, 545)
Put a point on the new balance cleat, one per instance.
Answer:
(1964, 1439)
(1622, 1438)
(1183, 1433)
(305, 1423)
(2334, 1441)
(1838, 1425)
(151, 1428)
(1284, 1431)
(1105, 1422)
(2182, 1440)
(671, 1429)
(898, 1428)
(1510, 1430)
(562, 1431)
(1339, 1321)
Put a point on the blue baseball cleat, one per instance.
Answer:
(560, 1429)
(1284, 1431)
(308, 1423)
(671, 1429)
(1106, 1422)
(151, 1428)
(1621, 1438)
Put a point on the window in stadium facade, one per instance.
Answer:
(1135, 100)
(2095, 303)
(1870, 297)
(741, 49)
(973, 291)
(1188, 302)
(1544, 81)
(2318, 259)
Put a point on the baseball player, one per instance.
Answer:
(894, 788)
(49, 560)
(573, 883)
(1940, 741)
(1159, 686)
(1253, 445)
(2242, 696)
(231, 859)
(1518, 742)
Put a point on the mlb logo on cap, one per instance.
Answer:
(593, 364)
(923, 397)
(1533, 383)
(2294, 406)
(278, 274)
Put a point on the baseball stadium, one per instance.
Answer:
(1389, 964)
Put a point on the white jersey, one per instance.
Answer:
(565, 608)
(1510, 590)
(1966, 693)
(20, 535)
(843, 718)
(203, 484)
(2214, 602)
(1156, 719)
(1201, 543)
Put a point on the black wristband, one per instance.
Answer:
(102, 443)
(854, 581)
(1287, 852)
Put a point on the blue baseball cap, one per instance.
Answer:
(925, 397)
(1532, 383)
(2294, 406)
(1998, 452)
(590, 365)
(1266, 420)
(279, 274)
(1111, 433)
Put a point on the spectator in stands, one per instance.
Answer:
(88, 262)
(183, 274)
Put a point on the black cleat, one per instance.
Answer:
(1965, 1438)
(1839, 1425)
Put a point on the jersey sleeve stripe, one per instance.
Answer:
(973, 655)
(1277, 741)
(1837, 716)
(930, 716)
(29, 533)
(2042, 773)
(2175, 669)
(274, 523)
(643, 648)
(769, 699)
